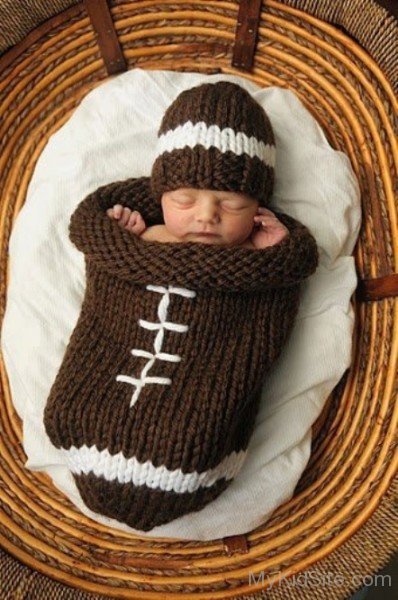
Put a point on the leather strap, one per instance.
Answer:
(246, 34)
(378, 288)
(235, 544)
(101, 20)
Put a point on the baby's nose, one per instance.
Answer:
(207, 214)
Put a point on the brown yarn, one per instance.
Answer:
(237, 324)
(231, 108)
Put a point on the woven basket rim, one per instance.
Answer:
(376, 267)
(363, 17)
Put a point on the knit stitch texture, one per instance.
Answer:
(155, 401)
(215, 136)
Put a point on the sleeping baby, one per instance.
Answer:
(192, 288)
(209, 217)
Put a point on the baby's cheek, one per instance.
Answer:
(176, 223)
(238, 230)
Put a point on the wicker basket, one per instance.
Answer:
(341, 518)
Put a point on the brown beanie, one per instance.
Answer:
(215, 136)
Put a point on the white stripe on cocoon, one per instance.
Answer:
(129, 470)
(223, 139)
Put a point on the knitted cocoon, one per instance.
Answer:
(155, 401)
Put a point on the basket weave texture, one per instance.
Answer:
(341, 518)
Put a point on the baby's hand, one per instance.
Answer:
(128, 219)
(268, 230)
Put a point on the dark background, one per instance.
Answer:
(390, 5)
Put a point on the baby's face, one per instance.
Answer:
(209, 216)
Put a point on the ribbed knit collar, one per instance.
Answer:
(189, 264)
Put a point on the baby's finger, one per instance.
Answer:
(132, 220)
(117, 211)
(124, 219)
(265, 211)
(265, 220)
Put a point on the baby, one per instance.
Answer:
(209, 217)
(156, 398)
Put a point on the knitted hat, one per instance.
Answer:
(215, 136)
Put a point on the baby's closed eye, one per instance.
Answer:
(231, 205)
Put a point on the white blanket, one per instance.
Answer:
(112, 136)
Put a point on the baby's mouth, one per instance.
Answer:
(206, 234)
(207, 238)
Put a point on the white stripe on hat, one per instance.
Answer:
(129, 470)
(223, 139)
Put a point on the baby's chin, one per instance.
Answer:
(211, 240)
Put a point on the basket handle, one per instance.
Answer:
(360, 24)
(246, 34)
(378, 288)
(108, 42)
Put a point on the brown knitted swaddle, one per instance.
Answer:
(155, 401)
(156, 398)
